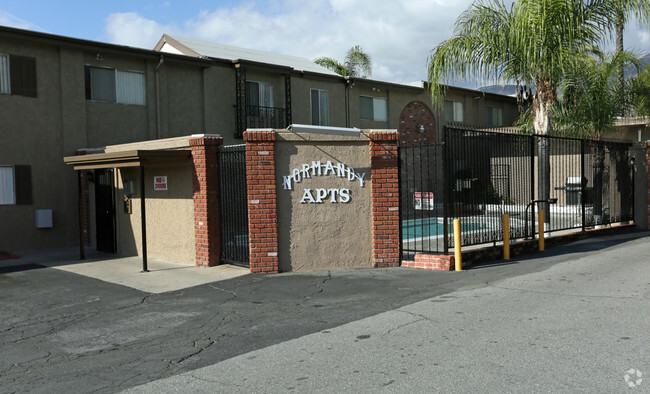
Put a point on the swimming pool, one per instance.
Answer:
(433, 227)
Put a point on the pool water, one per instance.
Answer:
(431, 227)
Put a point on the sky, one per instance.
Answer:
(398, 34)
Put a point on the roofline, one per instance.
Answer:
(53, 39)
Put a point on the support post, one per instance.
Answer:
(143, 222)
(458, 256)
(540, 223)
(82, 252)
(506, 236)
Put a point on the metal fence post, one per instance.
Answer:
(445, 186)
(582, 182)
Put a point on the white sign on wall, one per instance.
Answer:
(159, 183)
(423, 200)
(321, 195)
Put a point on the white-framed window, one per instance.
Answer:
(7, 185)
(454, 111)
(319, 107)
(15, 185)
(115, 86)
(18, 75)
(259, 94)
(494, 116)
(373, 108)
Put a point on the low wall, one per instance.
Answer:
(482, 255)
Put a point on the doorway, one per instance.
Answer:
(105, 210)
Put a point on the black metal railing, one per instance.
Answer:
(477, 176)
(234, 205)
(265, 117)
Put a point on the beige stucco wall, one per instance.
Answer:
(169, 214)
(301, 99)
(40, 131)
(326, 235)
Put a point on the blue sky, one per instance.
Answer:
(397, 33)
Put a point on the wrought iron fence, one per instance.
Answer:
(234, 205)
(477, 176)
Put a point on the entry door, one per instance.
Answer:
(105, 210)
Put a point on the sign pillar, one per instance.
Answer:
(385, 198)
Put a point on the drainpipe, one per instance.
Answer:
(160, 63)
(347, 101)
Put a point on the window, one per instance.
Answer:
(114, 86)
(259, 94)
(15, 185)
(319, 107)
(18, 75)
(373, 108)
(453, 111)
(494, 116)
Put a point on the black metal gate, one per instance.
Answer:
(234, 205)
(477, 176)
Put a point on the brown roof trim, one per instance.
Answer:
(134, 158)
(51, 39)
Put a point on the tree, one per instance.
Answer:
(641, 93)
(357, 63)
(534, 42)
(624, 9)
(591, 97)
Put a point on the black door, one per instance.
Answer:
(105, 210)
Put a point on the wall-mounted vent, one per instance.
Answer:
(44, 218)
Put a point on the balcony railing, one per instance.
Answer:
(265, 117)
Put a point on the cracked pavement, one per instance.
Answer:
(62, 332)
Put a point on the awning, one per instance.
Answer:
(134, 158)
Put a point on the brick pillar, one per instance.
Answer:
(385, 198)
(262, 201)
(205, 187)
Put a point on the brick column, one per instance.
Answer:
(205, 187)
(385, 198)
(262, 201)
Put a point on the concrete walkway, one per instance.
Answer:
(163, 276)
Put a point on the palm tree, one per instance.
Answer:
(623, 10)
(357, 63)
(535, 42)
(590, 100)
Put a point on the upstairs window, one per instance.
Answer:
(115, 86)
(453, 111)
(18, 75)
(494, 116)
(373, 108)
(319, 107)
(259, 94)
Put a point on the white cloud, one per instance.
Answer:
(398, 34)
(7, 19)
(131, 29)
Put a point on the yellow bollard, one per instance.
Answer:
(506, 236)
(540, 223)
(458, 257)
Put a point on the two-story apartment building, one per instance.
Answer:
(62, 96)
